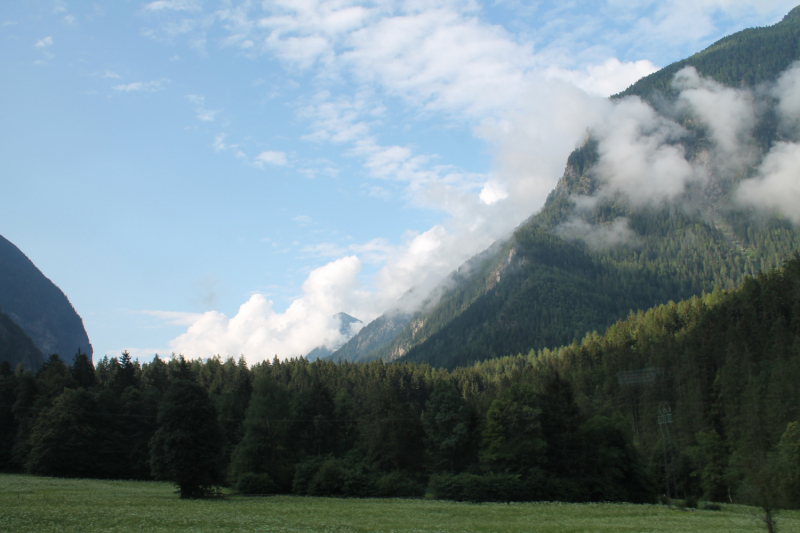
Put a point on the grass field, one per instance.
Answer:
(63, 505)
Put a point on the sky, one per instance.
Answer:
(223, 177)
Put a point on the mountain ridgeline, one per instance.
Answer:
(550, 283)
(40, 309)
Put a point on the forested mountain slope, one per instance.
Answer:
(570, 269)
(726, 367)
(38, 306)
(746, 58)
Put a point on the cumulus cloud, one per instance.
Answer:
(260, 333)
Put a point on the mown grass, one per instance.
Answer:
(62, 505)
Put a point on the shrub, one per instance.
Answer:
(251, 483)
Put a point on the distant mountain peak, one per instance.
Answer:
(347, 321)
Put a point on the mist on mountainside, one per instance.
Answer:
(671, 194)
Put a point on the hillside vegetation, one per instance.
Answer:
(578, 423)
(551, 281)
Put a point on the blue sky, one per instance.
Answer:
(223, 177)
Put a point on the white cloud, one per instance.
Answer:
(728, 113)
(639, 154)
(787, 91)
(109, 74)
(777, 186)
(141, 86)
(203, 114)
(492, 193)
(607, 78)
(173, 5)
(598, 236)
(46, 42)
(175, 318)
(220, 145)
(259, 332)
(271, 157)
(440, 59)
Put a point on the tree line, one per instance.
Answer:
(577, 423)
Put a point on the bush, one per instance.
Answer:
(329, 479)
(303, 474)
(397, 485)
(479, 488)
(251, 483)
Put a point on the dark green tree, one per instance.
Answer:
(63, 438)
(128, 374)
(8, 426)
(512, 439)
(447, 428)
(187, 446)
(263, 448)
(83, 371)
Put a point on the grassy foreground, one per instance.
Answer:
(62, 505)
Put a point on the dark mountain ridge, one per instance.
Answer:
(38, 306)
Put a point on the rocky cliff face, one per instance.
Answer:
(39, 307)
(16, 347)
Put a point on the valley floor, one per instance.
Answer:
(62, 505)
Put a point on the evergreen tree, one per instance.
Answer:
(187, 446)
(64, 437)
(83, 371)
(447, 428)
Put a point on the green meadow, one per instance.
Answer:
(62, 505)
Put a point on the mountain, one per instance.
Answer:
(370, 342)
(373, 336)
(16, 347)
(745, 58)
(569, 270)
(322, 352)
(38, 306)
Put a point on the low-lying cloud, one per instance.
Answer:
(776, 188)
(598, 236)
(445, 60)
